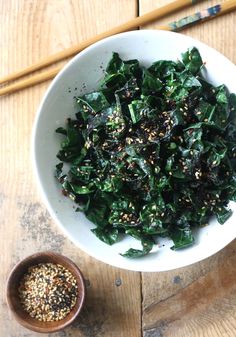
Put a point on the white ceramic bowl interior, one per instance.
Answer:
(81, 75)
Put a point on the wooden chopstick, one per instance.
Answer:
(207, 14)
(134, 23)
(200, 16)
(29, 82)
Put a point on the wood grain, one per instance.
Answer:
(30, 30)
(71, 51)
(199, 300)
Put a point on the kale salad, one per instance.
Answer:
(151, 153)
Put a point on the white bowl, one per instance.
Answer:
(84, 72)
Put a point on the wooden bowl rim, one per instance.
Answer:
(33, 260)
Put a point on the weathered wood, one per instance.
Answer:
(199, 300)
(30, 30)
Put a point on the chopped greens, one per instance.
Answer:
(152, 153)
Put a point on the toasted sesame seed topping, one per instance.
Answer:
(48, 292)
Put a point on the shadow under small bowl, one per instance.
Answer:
(13, 299)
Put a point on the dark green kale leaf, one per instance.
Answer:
(134, 253)
(182, 237)
(107, 235)
(192, 60)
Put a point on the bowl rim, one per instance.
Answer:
(33, 260)
(33, 152)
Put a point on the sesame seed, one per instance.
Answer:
(48, 292)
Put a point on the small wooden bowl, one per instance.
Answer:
(13, 300)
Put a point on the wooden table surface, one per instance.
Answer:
(199, 300)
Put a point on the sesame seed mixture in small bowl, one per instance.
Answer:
(45, 292)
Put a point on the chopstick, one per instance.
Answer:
(198, 17)
(134, 23)
(29, 82)
(185, 22)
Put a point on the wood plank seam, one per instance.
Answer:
(183, 288)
